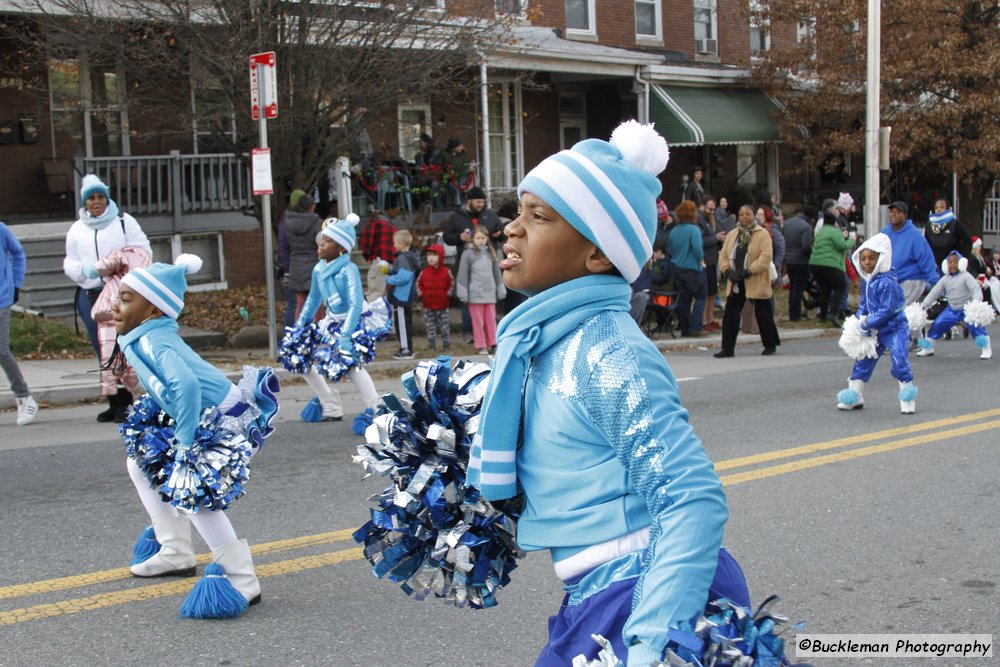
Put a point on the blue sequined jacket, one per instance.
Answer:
(337, 284)
(607, 450)
(181, 382)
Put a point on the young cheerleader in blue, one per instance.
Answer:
(617, 486)
(881, 314)
(345, 339)
(961, 289)
(189, 442)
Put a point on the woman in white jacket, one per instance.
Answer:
(100, 230)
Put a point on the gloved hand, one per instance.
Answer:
(90, 271)
(346, 345)
(728, 275)
(739, 274)
(17, 294)
(182, 451)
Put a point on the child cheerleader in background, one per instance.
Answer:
(189, 442)
(118, 386)
(481, 286)
(965, 304)
(881, 315)
(343, 341)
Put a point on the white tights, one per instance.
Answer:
(214, 527)
(358, 375)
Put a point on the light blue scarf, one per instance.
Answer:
(939, 221)
(526, 332)
(110, 213)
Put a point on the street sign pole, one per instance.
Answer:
(873, 120)
(264, 107)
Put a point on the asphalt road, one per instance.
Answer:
(864, 522)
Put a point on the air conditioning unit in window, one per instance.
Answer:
(709, 46)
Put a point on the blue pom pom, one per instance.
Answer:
(982, 341)
(908, 394)
(145, 547)
(924, 344)
(362, 421)
(313, 412)
(848, 397)
(214, 596)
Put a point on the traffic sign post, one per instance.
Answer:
(264, 105)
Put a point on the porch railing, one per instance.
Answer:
(991, 211)
(172, 185)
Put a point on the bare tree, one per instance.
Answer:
(940, 82)
(334, 56)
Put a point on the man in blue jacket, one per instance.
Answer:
(11, 278)
(912, 258)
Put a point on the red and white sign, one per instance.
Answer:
(263, 86)
(260, 171)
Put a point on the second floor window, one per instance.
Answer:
(647, 19)
(580, 17)
(705, 27)
(760, 29)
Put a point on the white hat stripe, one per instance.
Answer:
(155, 291)
(593, 215)
(616, 194)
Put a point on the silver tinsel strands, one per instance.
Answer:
(428, 531)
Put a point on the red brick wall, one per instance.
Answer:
(244, 253)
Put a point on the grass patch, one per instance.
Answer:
(38, 338)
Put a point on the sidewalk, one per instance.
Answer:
(67, 381)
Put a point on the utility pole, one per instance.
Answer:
(873, 119)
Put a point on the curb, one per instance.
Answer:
(58, 396)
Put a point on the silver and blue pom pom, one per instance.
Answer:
(733, 637)
(297, 345)
(145, 442)
(428, 531)
(373, 326)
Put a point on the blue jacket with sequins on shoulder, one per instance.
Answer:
(181, 382)
(607, 450)
(337, 285)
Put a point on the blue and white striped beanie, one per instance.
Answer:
(343, 232)
(164, 285)
(92, 184)
(607, 191)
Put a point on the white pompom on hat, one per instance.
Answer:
(164, 285)
(607, 191)
(343, 232)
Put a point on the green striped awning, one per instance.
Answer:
(690, 116)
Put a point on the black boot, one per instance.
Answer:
(109, 414)
(124, 400)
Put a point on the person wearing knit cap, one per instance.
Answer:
(582, 413)
(453, 164)
(963, 292)
(346, 336)
(101, 229)
(189, 442)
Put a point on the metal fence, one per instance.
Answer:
(172, 184)
(991, 211)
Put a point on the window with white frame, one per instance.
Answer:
(760, 29)
(706, 27)
(805, 34)
(88, 106)
(580, 18)
(412, 120)
(648, 19)
(506, 135)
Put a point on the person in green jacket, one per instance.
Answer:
(827, 261)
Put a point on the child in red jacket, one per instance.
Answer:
(434, 287)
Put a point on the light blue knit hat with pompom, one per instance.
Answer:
(343, 232)
(607, 191)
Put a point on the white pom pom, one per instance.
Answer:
(641, 145)
(191, 263)
(353, 219)
(916, 316)
(979, 314)
(856, 344)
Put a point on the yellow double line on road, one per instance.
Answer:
(980, 421)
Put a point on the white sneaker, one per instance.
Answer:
(26, 410)
(925, 352)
